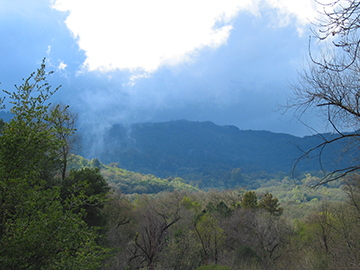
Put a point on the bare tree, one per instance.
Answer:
(262, 238)
(332, 85)
(157, 216)
(340, 21)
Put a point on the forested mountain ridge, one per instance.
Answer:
(211, 156)
(179, 148)
(185, 148)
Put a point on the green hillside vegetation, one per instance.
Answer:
(128, 182)
(299, 198)
(297, 195)
(292, 191)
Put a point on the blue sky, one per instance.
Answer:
(226, 61)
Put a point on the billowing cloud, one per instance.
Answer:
(225, 61)
(142, 35)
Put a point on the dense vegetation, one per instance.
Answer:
(128, 182)
(46, 221)
(289, 191)
(57, 210)
(203, 153)
(61, 211)
(236, 229)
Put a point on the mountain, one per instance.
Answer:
(198, 149)
(6, 115)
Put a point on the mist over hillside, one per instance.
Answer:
(209, 155)
(183, 148)
(194, 149)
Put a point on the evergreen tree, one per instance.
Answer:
(250, 200)
(271, 204)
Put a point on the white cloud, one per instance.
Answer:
(48, 50)
(62, 66)
(303, 11)
(142, 35)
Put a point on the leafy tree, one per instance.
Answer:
(28, 140)
(332, 236)
(250, 200)
(37, 229)
(90, 183)
(2, 124)
(209, 232)
(271, 204)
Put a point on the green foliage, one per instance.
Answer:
(2, 124)
(188, 204)
(297, 198)
(214, 230)
(128, 182)
(213, 267)
(37, 234)
(95, 163)
(90, 183)
(28, 140)
(250, 200)
(245, 253)
(37, 229)
(271, 204)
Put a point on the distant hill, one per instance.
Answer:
(130, 182)
(199, 149)
(6, 116)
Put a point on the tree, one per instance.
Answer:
(120, 230)
(157, 216)
(333, 236)
(64, 119)
(331, 85)
(90, 183)
(259, 238)
(340, 22)
(208, 229)
(271, 204)
(2, 124)
(37, 229)
(250, 200)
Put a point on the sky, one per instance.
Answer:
(229, 62)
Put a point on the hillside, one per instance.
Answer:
(5, 115)
(211, 156)
(130, 182)
(199, 150)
